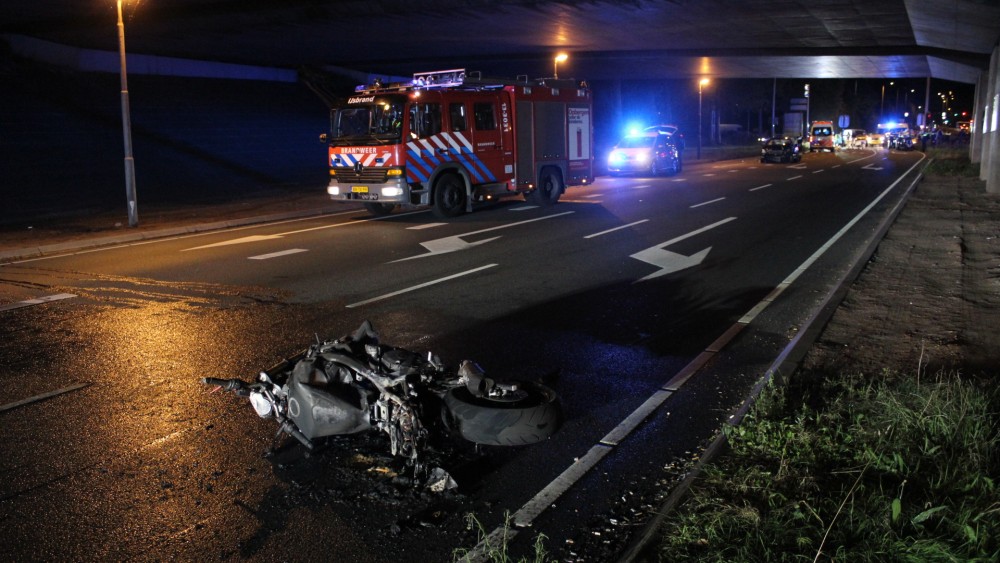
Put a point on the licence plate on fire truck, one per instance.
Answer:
(359, 189)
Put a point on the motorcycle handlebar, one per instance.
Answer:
(235, 385)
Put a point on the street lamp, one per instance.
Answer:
(560, 58)
(701, 85)
(133, 211)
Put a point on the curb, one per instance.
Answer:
(640, 550)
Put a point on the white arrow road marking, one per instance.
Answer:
(277, 254)
(669, 262)
(37, 301)
(455, 242)
(871, 167)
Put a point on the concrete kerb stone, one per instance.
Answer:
(786, 363)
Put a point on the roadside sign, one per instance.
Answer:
(844, 121)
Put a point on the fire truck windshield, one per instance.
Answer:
(379, 120)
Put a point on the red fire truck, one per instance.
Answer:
(448, 139)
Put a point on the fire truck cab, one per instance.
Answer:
(447, 139)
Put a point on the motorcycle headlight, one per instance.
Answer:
(261, 404)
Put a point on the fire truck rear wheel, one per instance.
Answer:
(549, 188)
(379, 209)
(449, 196)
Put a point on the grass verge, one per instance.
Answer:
(851, 468)
(952, 162)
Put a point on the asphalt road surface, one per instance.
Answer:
(651, 305)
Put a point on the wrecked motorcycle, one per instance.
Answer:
(354, 384)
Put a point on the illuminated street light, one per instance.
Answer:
(133, 210)
(560, 58)
(701, 85)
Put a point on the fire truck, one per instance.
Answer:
(448, 139)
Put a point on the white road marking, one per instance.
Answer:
(36, 301)
(256, 238)
(594, 195)
(455, 242)
(708, 174)
(761, 187)
(615, 229)
(794, 178)
(669, 262)
(427, 226)
(641, 186)
(679, 180)
(523, 208)
(547, 496)
(43, 396)
(420, 286)
(707, 202)
(817, 171)
(278, 254)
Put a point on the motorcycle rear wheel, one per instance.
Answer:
(534, 416)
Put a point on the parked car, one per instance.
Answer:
(876, 140)
(859, 140)
(781, 149)
(649, 152)
(672, 131)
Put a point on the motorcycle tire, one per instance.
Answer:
(532, 417)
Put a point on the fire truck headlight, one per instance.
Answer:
(392, 192)
(642, 157)
(333, 190)
(616, 157)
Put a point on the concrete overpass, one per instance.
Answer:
(954, 40)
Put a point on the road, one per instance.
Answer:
(618, 297)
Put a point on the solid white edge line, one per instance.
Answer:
(545, 498)
(419, 286)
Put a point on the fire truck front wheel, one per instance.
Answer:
(449, 196)
(548, 190)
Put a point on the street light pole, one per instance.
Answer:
(701, 87)
(133, 211)
(560, 58)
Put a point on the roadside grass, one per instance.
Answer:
(495, 549)
(951, 162)
(851, 468)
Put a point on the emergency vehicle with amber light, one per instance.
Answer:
(448, 139)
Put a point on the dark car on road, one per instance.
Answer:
(649, 152)
(781, 149)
